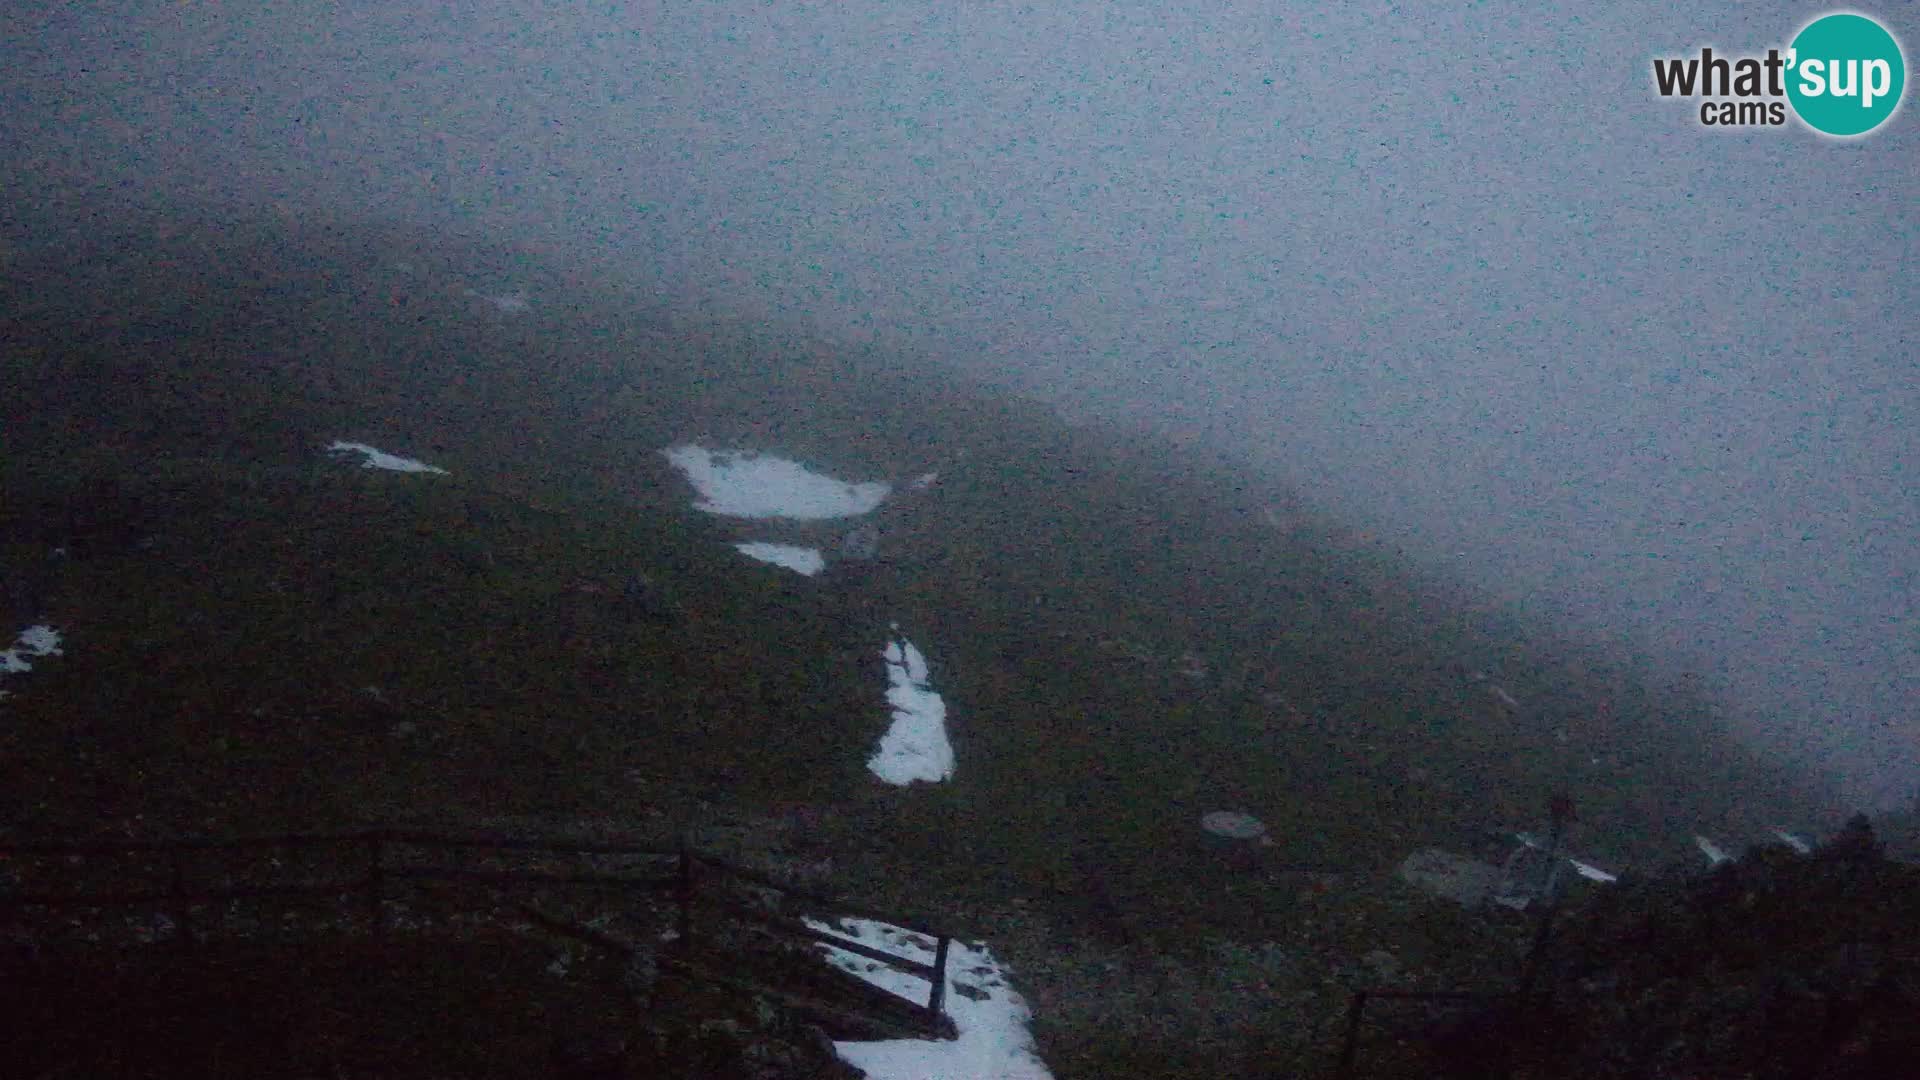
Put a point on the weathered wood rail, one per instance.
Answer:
(376, 878)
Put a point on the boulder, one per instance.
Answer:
(1467, 882)
(861, 543)
(1235, 825)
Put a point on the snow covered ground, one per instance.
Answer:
(33, 643)
(751, 485)
(1711, 850)
(801, 560)
(989, 1014)
(916, 746)
(766, 486)
(377, 459)
(1585, 870)
(743, 484)
(1715, 854)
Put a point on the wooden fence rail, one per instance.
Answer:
(370, 849)
(935, 973)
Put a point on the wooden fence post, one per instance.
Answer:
(684, 893)
(1560, 811)
(939, 995)
(182, 909)
(1354, 1008)
(376, 884)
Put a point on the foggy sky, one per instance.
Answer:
(1452, 269)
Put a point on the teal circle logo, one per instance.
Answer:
(1845, 75)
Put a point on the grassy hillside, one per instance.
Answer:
(259, 636)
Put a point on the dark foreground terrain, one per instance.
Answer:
(258, 636)
(1776, 966)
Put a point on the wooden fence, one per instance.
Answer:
(692, 863)
(377, 875)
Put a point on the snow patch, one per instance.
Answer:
(800, 560)
(33, 642)
(376, 459)
(1711, 850)
(916, 746)
(1585, 870)
(751, 485)
(990, 1016)
(1593, 873)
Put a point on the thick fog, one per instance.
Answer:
(1453, 270)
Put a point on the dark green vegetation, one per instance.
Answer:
(259, 637)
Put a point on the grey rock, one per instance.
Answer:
(861, 543)
(1467, 882)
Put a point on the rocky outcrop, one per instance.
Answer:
(1772, 965)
